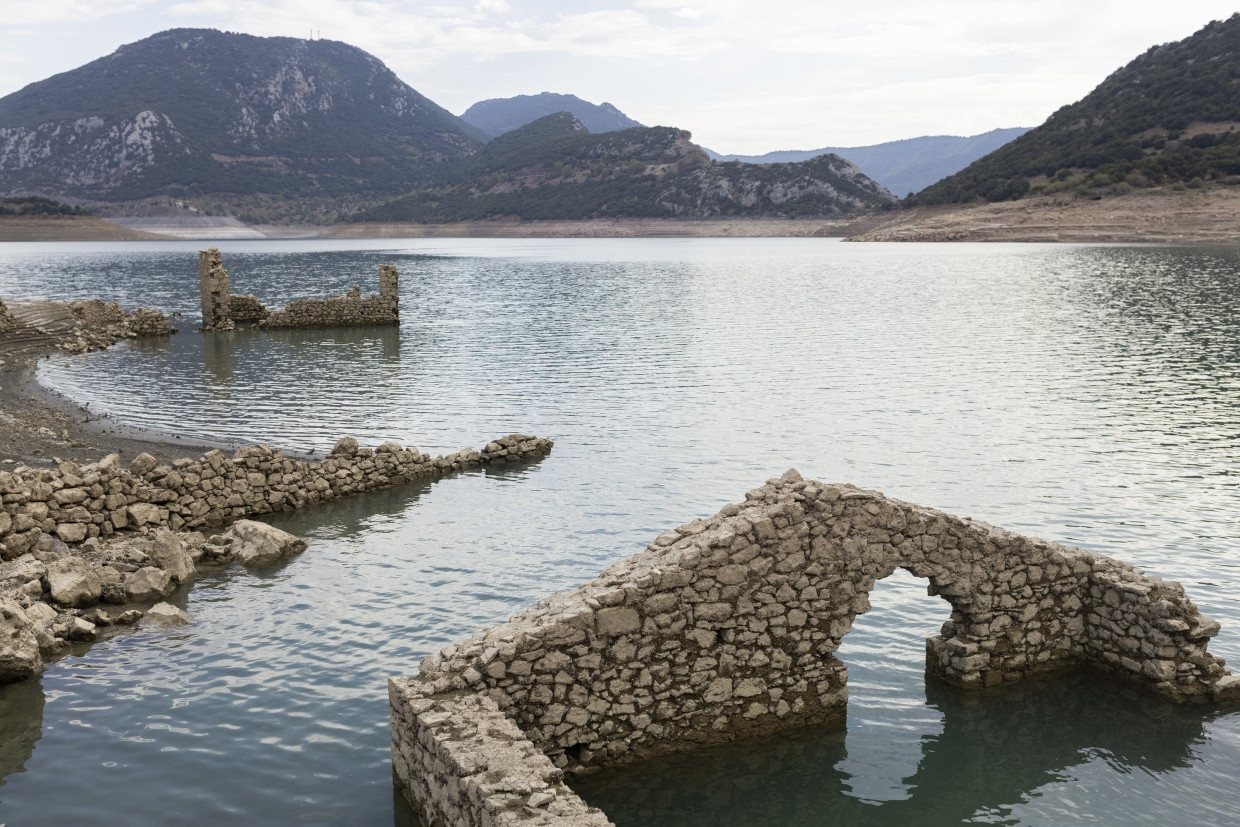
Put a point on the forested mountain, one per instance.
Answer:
(1167, 118)
(554, 168)
(258, 121)
(905, 166)
(499, 115)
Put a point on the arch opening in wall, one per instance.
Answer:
(889, 720)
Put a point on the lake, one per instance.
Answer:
(1086, 394)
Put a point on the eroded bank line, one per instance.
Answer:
(727, 627)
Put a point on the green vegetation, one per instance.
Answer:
(1168, 117)
(554, 169)
(34, 205)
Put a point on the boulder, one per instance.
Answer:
(73, 582)
(146, 584)
(346, 447)
(19, 647)
(141, 514)
(168, 553)
(165, 614)
(258, 544)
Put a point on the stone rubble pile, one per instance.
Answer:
(99, 324)
(75, 503)
(53, 595)
(728, 626)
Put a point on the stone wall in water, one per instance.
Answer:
(74, 503)
(221, 310)
(727, 627)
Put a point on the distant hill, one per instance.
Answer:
(905, 166)
(1169, 117)
(499, 115)
(257, 123)
(554, 168)
(34, 205)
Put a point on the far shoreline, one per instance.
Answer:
(1160, 216)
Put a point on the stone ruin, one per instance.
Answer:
(727, 627)
(221, 310)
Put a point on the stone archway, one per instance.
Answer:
(728, 627)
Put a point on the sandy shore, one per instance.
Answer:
(1163, 216)
(38, 425)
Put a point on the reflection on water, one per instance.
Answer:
(1085, 394)
(994, 749)
(21, 726)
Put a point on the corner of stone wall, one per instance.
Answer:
(459, 760)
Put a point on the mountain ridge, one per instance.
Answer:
(1168, 117)
(496, 116)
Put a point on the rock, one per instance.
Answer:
(128, 617)
(143, 464)
(165, 614)
(73, 581)
(71, 532)
(258, 544)
(82, 629)
(618, 620)
(146, 584)
(1226, 691)
(346, 447)
(141, 514)
(19, 647)
(40, 613)
(168, 553)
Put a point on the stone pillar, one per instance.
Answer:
(388, 280)
(213, 281)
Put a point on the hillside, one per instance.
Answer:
(905, 166)
(1167, 118)
(227, 119)
(554, 168)
(499, 115)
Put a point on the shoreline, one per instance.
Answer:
(40, 426)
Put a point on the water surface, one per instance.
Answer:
(1082, 393)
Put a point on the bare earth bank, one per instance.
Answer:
(1200, 216)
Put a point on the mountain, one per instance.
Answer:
(905, 166)
(1168, 117)
(499, 115)
(554, 168)
(249, 122)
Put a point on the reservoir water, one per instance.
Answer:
(1086, 394)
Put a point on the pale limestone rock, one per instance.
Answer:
(259, 544)
(168, 553)
(165, 614)
(146, 584)
(19, 647)
(73, 581)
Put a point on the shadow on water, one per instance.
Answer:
(21, 726)
(995, 749)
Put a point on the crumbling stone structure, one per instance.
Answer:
(727, 627)
(75, 504)
(213, 282)
(221, 310)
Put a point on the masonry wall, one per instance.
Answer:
(728, 627)
(74, 503)
(215, 290)
(351, 310)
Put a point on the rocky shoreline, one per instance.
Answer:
(88, 543)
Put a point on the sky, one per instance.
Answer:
(744, 76)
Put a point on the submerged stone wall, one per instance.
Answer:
(76, 503)
(728, 627)
(221, 310)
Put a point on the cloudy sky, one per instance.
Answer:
(745, 76)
